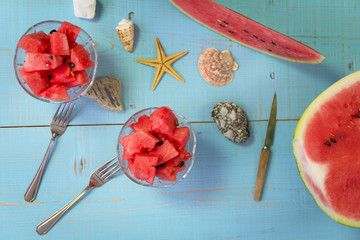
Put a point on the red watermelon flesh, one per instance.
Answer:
(246, 31)
(41, 61)
(62, 74)
(55, 92)
(81, 58)
(71, 31)
(80, 78)
(126, 155)
(35, 42)
(163, 121)
(37, 81)
(180, 137)
(143, 124)
(144, 167)
(138, 142)
(59, 44)
(168, 170)
(165, 151)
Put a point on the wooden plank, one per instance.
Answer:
(215, 201)
(331, 27)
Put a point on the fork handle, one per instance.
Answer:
(33, 188)
(46, 225)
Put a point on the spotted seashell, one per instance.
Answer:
(217, 67)
(231, 121)
(125, 31)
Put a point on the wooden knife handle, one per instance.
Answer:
(264, 159)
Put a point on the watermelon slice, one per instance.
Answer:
(55, 92)
(59, 44)
(143, 124)
(163, 121)
(246, 31)
(37, 81)
(138, 142)
(180, 137)
(168, 170)
(327, 150)
(62, 74)
(80, 78)
(35, 42)
(80, 58)
(41, 61)
(164, 151)
(71, 31)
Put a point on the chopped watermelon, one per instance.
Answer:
(71, 32)
(130, 162)
(80, 78)
(35, 42)
(144, 167)
(165, 151)
(55, 92)
(143, 124)
(138, 142)
(168, 170)
(41, 61)
(37, 81)
(81, 58)
(126, 155)
(180, 137)
(62, 75)
(59, 44)
(163, 121)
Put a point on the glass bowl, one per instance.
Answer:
(190, 147)
(83, 38)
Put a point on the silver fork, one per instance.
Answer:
(57, 126)
(97, 179)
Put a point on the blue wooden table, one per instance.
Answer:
(215, 201)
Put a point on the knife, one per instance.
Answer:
(265, 152)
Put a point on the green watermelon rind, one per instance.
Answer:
(317, 61)
(300, 130)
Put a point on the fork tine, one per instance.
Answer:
(57, 111)
(112, 174)
(105, 170)
(103, 166)
(66, 117)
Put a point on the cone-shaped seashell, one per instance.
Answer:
(217, 67)
(125, 30)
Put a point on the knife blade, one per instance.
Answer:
(265, 152)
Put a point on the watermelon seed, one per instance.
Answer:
(262, 40)
(221, 25)
(230, 31)
(273, 43)
(255, 36)
(161, 165)
(160, 143)
(327, 143)
(54, 30)
(51, 57)
(181, 164)
(71, 64)
(49, 77)
(333, 140)
(72, 73)
(245, 31)
(287, 47)
(225, 22)
(268, 49)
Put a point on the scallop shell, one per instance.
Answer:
(125, 30)
(217, 67)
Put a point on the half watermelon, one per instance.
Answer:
(327, 150)
(246, 31)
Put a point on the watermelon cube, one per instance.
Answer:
(143, 124)
(80, 78)
(180, 137)
(163, 121)
(144, 167)
(59, 44)
(168, 170)
(80, 58)
(62, 74)
(37, 81)
(55, 92)
(130, 162)
(138, 142)
(35, 42)
(126, 155)
(41, 61)
(165, 151)
(71, 31)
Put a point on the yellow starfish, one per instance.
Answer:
(162, 64)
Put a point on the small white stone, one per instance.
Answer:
(84, 8)
(232, 115)
(224, 111)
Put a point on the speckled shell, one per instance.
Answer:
(125, 31)
(217, 67)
